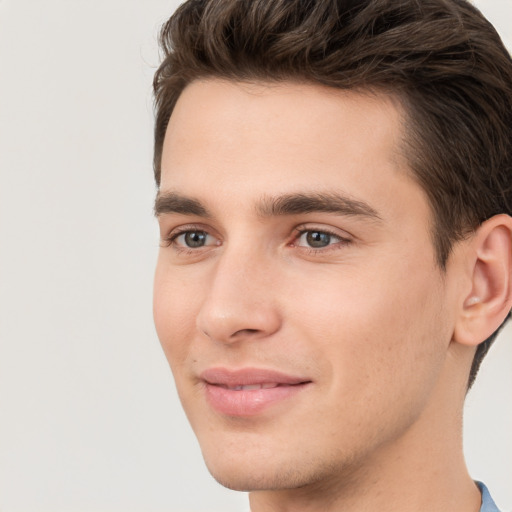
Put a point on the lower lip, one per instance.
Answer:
(249, 402)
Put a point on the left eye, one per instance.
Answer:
(317, 239)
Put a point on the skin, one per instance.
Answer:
(369, 318)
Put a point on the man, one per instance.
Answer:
(334, 197)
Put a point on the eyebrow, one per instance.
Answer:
(293, 204)
(288, 204)
(171, 202)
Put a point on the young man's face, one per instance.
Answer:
(297, 296)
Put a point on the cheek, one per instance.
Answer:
(379, 332)
(174, 312)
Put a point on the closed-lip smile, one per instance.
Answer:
(248, 391)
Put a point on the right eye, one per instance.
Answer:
(191, 239)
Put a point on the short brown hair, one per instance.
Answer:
(441, 58)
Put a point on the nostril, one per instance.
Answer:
(246, 331)
(228, 319)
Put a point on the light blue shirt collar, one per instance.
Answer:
(488, 504)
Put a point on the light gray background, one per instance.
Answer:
(89, 420)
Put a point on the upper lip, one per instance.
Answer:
(248, 376)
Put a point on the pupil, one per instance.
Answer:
(195, 238)
(318, 239)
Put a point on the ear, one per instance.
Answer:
(485, 308)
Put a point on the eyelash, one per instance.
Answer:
(170, 240)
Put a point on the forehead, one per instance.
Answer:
(243, 141)
(282, 119)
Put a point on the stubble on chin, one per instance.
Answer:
(315, 477)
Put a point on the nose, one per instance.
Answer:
(240, 301)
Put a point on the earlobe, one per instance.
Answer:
(485, 308)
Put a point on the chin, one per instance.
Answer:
(249, 473)
(249, 480)
(237, 470)
(244, 482)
